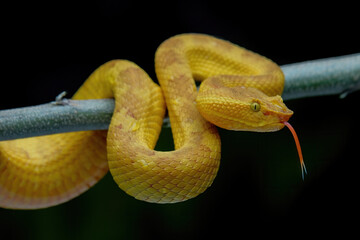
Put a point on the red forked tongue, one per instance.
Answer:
(302, 164)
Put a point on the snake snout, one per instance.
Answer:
(276, 106)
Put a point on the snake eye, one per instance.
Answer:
(255, 106)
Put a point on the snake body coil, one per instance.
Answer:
(240, 92)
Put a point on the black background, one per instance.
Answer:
(53, 46)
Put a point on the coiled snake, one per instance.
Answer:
(240, 92)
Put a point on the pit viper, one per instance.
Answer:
(240, 90)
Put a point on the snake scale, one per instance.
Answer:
(240, 90)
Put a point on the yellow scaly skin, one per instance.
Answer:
(44, 171)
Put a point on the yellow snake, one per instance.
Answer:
(241, 92)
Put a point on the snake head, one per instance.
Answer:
(242, 108)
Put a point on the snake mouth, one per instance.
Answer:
(275, 121)
(284, 117)
(270, 127)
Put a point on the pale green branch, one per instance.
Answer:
(338, 75)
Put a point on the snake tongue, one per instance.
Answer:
(302, 164)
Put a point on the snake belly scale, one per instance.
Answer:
(240, 92)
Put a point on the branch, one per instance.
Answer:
(60, 116)
(338, 75)
(329, 76)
